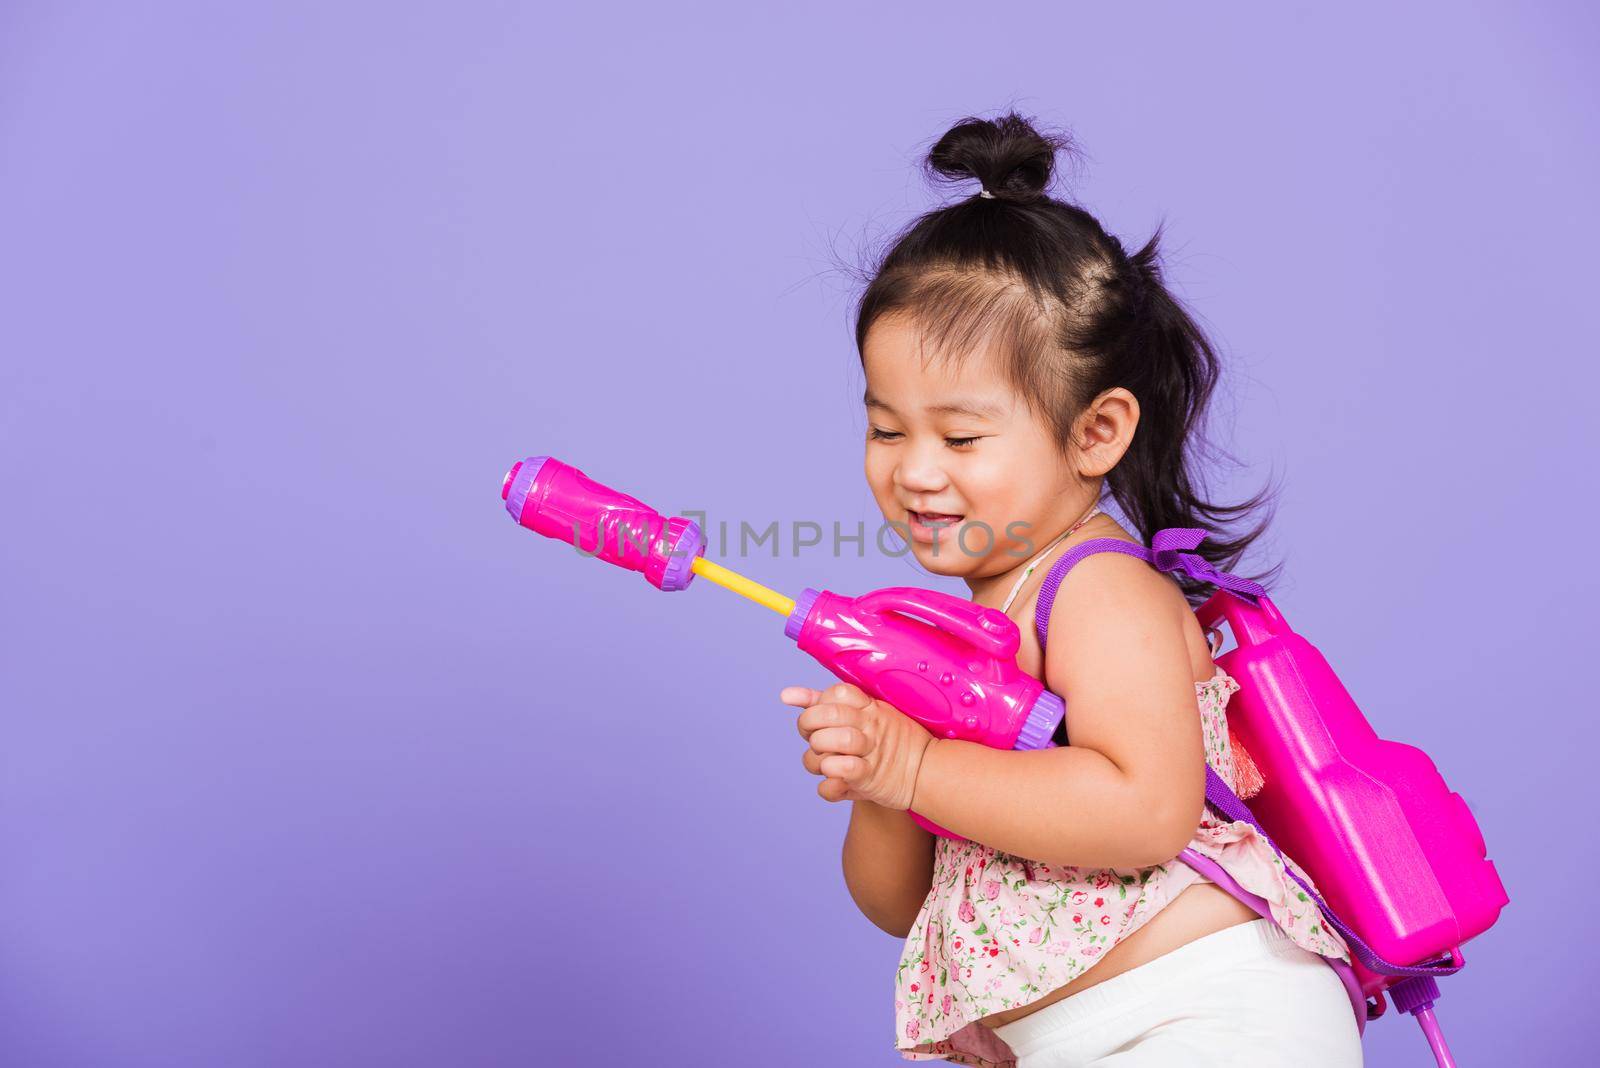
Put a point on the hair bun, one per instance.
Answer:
(1010, 157)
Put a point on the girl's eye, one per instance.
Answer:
(894, 435)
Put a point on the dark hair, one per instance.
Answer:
(1072, 315)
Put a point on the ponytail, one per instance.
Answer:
(1167, 362)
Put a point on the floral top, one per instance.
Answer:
(998, 931)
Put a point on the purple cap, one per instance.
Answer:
(802, 609)
(1046, 712)
(1414, 994)
(679, 571)
(519, 480)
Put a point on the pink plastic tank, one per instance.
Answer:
(1399, 865)
(1395, 852)
(944, 661)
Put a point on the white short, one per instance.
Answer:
(1242, 997)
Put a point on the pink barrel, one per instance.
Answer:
(557, 500)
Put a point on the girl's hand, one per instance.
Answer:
(865, 750)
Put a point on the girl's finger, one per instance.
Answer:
(846, 740)
(799, 696)
(848, 768)
(827, 714)
(845, 693)
(833, 789)
(803, 697)
(812, 761)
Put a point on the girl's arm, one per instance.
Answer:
(1130, 788)
(888, 866)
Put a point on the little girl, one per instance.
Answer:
(1020, 369)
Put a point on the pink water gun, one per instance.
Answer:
(946, 662)
(1398, 858)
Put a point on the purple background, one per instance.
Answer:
(311, 757)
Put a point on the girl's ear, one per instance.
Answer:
(1104, 431)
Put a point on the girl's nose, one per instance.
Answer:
(920, 472)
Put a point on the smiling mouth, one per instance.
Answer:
(926, 526)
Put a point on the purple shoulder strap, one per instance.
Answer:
(1168, 553)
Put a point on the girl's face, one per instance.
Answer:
(956, 457)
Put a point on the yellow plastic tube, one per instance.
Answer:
(744, 587)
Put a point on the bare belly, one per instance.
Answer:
(1200, 910)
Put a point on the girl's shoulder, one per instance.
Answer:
(1109, 581)
(1115, 611)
